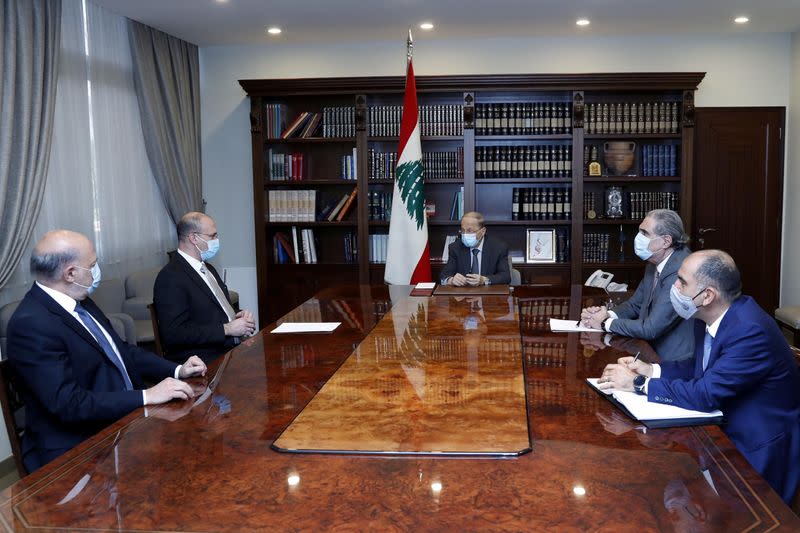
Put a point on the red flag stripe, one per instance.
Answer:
(410, 111)
(422, 272)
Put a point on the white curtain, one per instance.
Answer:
(99, 180)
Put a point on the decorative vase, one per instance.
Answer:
(619, 156)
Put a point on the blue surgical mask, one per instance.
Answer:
(96, 276)
(683, 305)
(470, 240)
(641, 246)
(213, 248)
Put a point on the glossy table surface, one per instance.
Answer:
(209, 465)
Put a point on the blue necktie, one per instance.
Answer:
(98, 335)
(707, 349)
(474, 268)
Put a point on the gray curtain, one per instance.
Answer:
(166, 73)
(30, 38)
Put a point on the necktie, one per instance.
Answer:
(474, 268)
(217, 290)
(100, 337)
(707, 349)
(653, 288)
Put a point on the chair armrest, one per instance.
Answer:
(136, 307)
(124, 326)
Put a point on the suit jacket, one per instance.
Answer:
(494, 261)
(190, 318)
(70, 387)
(654, 320)
(752, 377)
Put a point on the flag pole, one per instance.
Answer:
(409, 46)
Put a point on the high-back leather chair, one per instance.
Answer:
(13, 414)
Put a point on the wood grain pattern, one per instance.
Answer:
(209, 466)
(438, 375)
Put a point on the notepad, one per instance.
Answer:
(423, 289)
(654, 414)
(306, 327)
(568, 325)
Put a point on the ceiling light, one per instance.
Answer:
(426, 26)
(274, 30)
(741, 20)
(582, 22)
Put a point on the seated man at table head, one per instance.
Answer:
(194, 310)
(74, 372)
(648, 314)
(476, 259)
(742, 365)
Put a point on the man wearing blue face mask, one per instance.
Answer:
(75, 374)
(742, 365)
(648, 314)
(194, 311)
(476, 259)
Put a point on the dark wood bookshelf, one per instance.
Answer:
(283, 286)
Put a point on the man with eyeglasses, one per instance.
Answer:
(195, 314)
(476, 259)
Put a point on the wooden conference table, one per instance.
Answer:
(511, 438)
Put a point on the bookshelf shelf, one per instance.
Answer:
(575, 105)
(630, 179)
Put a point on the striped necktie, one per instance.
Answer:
(707, 341)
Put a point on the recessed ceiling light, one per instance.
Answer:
(741, 20)
(582, 22)
(222, 1)
(426, 26)
(274, 30)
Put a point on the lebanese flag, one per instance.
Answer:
(408, 255)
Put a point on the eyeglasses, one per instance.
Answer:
(211, 235)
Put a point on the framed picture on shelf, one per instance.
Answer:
(541, 246)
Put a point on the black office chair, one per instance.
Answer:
(159, 346)
(13, 414)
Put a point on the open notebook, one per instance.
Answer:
(656, 415)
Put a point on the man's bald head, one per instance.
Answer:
(57, 250)
(715, 268)
(192, 222)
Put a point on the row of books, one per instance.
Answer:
(339, 121)
(536, 161)
(523, 118)
(292, 206)
(286, 167)
(436, 165)
(274, 120)
(380, 205)
(659, 160)
(305, 125)
(631, 117)
(641, 203)
(535, 313)
(434, 120)
(595, 247)
(378, 245)
(350, 247)
(297, 247)
(550, 203)
(350, 166)
(545, 354)
(337, 210)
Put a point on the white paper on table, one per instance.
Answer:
(306, 327)
(568, 325)
(425, 285)
(642, 409)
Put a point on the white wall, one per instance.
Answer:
(747, 70)
(790, 283)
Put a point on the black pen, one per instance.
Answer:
(578, 323)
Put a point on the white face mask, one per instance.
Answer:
(683, 305)
(641, 246)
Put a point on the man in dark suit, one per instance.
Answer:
(742, 365)
(195, 315)
(75, 374)
(476, 259)
(648, 314)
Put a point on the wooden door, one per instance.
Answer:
(738, 192)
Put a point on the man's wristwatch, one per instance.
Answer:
(603, 326)
(638, 384)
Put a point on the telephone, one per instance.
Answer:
(599, 279)
(603, 280)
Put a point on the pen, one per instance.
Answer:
(637, 357)
(578, 323)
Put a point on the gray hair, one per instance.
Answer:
(718, 270)
(477, 216)
(668, 222)
(188, 224)
(49, 266)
